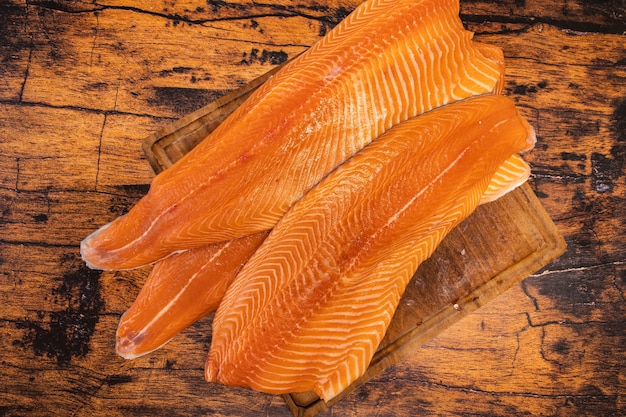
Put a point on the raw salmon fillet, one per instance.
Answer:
(308, 310)
(388, 61)
(185, 287)
(180, 290)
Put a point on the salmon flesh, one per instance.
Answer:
(185, 287)
(180, 290)
(309, 309)
(388, 61)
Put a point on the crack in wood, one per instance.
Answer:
(95, 187)
(533, 299)
(117, 92)
(30, 52)
(425, 381)
(86, 109)
(614, 28)
(135, 190)
(517, 349)
(17, 174)
(283, 12)
(36, 243)
(567, 178)
(612, 25)
(564, 322)
(617, 288)
(26, 72)
(542, 345)
(95, 38)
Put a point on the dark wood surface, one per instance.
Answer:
(82, 84)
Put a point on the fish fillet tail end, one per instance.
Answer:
(211, 370)
(126, 346)
(89, 253)
(131, 345)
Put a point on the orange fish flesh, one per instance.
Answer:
(181, 289)
(308, 310)
(388, 61)
(185, 287)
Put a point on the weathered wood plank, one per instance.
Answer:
(57, 149)
(58, 218)
(73, 149)
(8, 172)
(121, 158)
(106, 69)
(578, 110)
(189, 12)
(100, 73)
(514, 352)
(580, 15)
(14, 50)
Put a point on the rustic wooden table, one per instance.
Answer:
(82, 84)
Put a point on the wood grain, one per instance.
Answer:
(81, 85)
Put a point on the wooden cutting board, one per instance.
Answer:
(500, 244)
